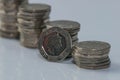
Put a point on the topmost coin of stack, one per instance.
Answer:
(31, 20)
(8, 17)
(72, 27)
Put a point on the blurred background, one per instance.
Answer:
(99, 19)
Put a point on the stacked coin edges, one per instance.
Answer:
(97, 60)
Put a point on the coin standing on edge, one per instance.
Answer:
(55, 44)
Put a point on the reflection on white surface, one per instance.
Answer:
(100, 20)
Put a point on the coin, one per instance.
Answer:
(35, 8)
(92, 60)
(8, 18)
(11, 5)
(55, 44)
(9, 27)
(65, 24)
(29, 37)
(96, 67)
(40, 14)
(3, 12)
(22, 21)
(93, 47)
(32, 18)
(74, 37)
(8, 34)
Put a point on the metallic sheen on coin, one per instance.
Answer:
(55, 44)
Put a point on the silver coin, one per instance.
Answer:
(9, 34)
(65, 24)
(29, 37)
(35, 8)
(40, 14)
(3, 12)
(22, 21)
(11, 5)
(55, 44)
(31, 24)
(104, 66)
(32, 17)
(93, 47)
(78, 53)
(8, 18)
(8, 27)
(73, 34)
(91, 60)
(74, 37)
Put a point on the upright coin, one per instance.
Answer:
(55, 44)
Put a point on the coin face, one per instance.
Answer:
(93, 48)
(55, 44)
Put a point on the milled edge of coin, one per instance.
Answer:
(66, 51)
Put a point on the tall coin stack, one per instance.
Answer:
(92, 55)
(31, 20)
(71, 27)
(8, 17)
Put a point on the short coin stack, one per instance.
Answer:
(91, 55)
(71, 27)
(8, 17)
(31, 20)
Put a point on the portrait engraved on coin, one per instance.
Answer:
(54, 44)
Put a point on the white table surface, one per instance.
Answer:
(100, 20)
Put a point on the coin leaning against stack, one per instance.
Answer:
(55, 44)
(91, 55)
(31, 20)
(72, 27)
(8, 17)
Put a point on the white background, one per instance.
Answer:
(100, 20)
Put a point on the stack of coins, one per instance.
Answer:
(71, 27)
(31, 20)
(91, 55)
(8, 17)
